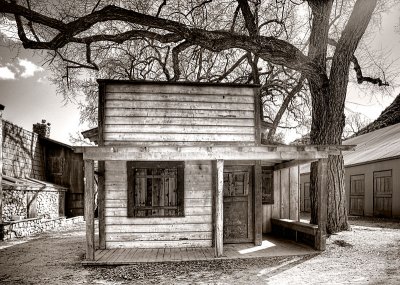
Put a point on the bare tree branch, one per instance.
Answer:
(198, 6)
(290, 95)
(95, 6)
(358, 70)
(175, 58)
(235, 15)
(232, 68)
(164, 2)
(249, 18)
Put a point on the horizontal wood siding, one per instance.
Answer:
(193, 230)
(136, 113)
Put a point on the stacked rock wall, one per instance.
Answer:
(25, 204)
(31, 227)
(22, 153)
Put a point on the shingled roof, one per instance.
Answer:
(390, 116)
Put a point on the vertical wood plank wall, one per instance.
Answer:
(368, 170)
(140, 113)
(193, 230)
(286, 197)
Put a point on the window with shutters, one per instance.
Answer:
(267, 186)
(155, 189)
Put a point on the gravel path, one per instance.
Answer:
(368, 254)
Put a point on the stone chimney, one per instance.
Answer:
(42, 129)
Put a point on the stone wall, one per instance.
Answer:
(22, 153)
(31, 227)
(24, 204)
(14, 203)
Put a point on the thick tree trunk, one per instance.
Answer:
(327, 127)
(328, 98)
(337, 212)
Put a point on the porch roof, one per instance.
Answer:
(273, 154)
(29, 184)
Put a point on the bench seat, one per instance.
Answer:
(299, 231)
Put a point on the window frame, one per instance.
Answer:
(267, 192)
(180, 197)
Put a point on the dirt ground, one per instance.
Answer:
(368, 254)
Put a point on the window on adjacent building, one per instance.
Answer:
(155, 189)
(267, 186)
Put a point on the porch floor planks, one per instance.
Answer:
(116, 255)
(231, 251)
(123, 257)
(167, 254)
(138, 256)
(175, 254)
(99, 253)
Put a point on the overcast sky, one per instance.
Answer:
(29, 97)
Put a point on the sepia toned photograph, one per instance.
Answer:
(199, 142)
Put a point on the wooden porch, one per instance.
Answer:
(278, 157)
(270, 247)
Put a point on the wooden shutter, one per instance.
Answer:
(155, 189)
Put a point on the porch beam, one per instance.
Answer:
(219, 215)
(89, 208)
(320, 239)
(164, 153)
(291, 163)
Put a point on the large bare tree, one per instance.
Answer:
(313, 41)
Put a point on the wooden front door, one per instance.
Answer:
(383, 188)
(357, 189)
(238, 210)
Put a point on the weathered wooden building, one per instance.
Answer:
(372, 174)
(40, 179)
(182, 165)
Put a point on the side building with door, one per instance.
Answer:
(182, 165)
(372, 175)
(41, 181)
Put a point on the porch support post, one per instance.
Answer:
(101, 196)
(320, 239)
(101, 200)
(1, 165)
(258, 208)
(219, 207)
(89, 209)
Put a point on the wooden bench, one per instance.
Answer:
(298, 231)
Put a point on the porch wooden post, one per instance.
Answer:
(258, 208)
(101, 195)
(219, 208)
(1, 163)
(320, 239)
(89, 208)
(101, 199)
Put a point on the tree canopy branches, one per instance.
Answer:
(285, 46)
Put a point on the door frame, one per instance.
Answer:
(250, 202)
